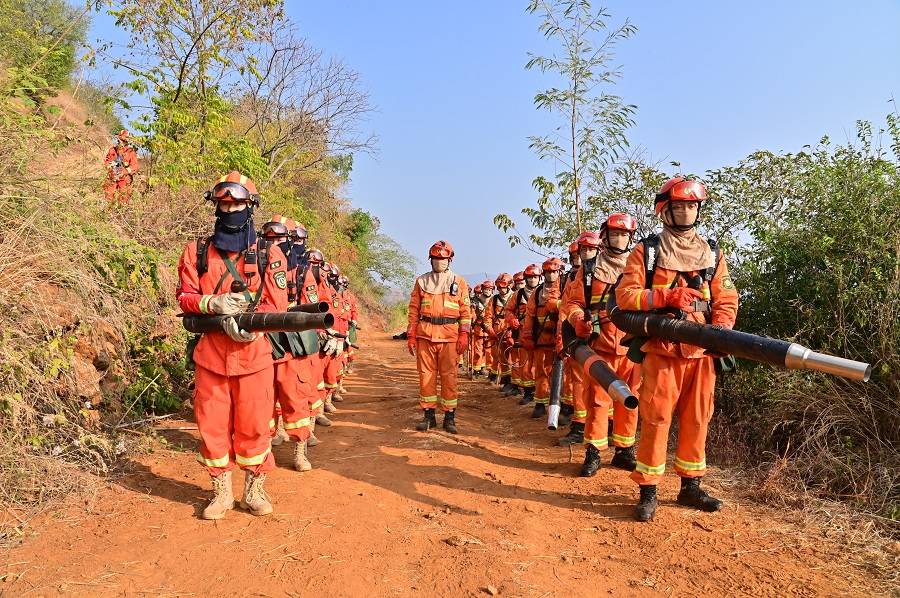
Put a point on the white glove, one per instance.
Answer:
(236, 334)
(327, 346)
(338, 346)
(228, 304)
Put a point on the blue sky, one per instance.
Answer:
(713, 81)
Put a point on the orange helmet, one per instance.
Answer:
(300, 233)
(316, 256)
(234, 187)
(554, 264)
(503, 281)
(289, 223)
(123, 135)
(619, 221)
(589, 239)
(441, 250)
(487, 286)
(518, 277)
(273, 230)
(679, 189)
(326, 268)
(532, 270)
(477, 289)
(335, 271)
(573, 246)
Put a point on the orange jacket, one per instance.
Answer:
(479, 315)
(493, 315)
(608, 337)
(633, 294)
(544, 314)
(215, 351)
(129, 159)
(424, 306)
(515, 310)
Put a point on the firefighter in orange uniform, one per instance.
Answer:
(234, 377)
(493, 318)
(121, 166)
(483, 330)
(478, 333)
(572, 373)
(316, 289)
(439, 324)
(516, 308)
(539, 328)
(605, 339)
(688, 277)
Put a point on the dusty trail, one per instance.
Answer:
(388, 511)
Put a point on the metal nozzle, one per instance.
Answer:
(620, 393)
(799, 357)
(552, 417)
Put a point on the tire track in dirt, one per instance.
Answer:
(389, 511)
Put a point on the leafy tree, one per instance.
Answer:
(591, 137)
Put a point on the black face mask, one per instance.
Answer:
(287, 249)
(234, 231)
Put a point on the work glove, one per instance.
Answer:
(528, 344)
(679, 297)
(514, 323)
(355, 324)
(508, 338)
(411, 340)
(236, 334)
(462, 343)
(228, 304)
(583, 328)
(338, 346)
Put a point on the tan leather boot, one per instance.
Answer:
(223, 499)
(280, 433)
(255, 498)
(301, 460)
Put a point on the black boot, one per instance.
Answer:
(692, 496)
(575, 435)
(609, 428)
(624, 458)
(428, 422)
(565, 415)
(506, 385)
(591, 461)
(646, 507)
(527, 397)
(540, 410)
(492, 377)
(450, 421)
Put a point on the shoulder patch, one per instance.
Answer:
(281, 280)
(727, 283)
(275, 265)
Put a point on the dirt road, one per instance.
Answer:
(388, 511)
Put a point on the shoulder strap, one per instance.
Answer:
(710, 272)
(651, 251)
(202, 255)
(235, 274)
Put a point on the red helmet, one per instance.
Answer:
(326, 268)
(679, 189)
(503, 281)
(532, 270)
(589, 239)
(519, 277)
(441, 250)
(487, 286)
(573, 246)
(234, 187)
(620, 221)
(123, 135)
(316, 256)
(477, 289)
(554, 264)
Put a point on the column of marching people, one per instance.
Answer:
(254, 390)
(510, 332)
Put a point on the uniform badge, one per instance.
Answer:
(281, 280)
(276, 264)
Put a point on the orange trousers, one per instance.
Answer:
(332, 371)
(233, 414)
(542, 364)
(674, 385)
(580, 388)
(522, 368)
(295, 391)
(601, 408)
(436, 361)
(479, 359)
(501, 359)
(317, 369)
(118, 190)
(569, 382)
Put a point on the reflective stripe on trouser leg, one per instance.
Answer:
(625, 420)
(580, 396)
(252, 441)
(427, 366)
(446, 361)
(595, 426)
(212, 410)
(297, 406)
(694, 411)
(662, 379)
